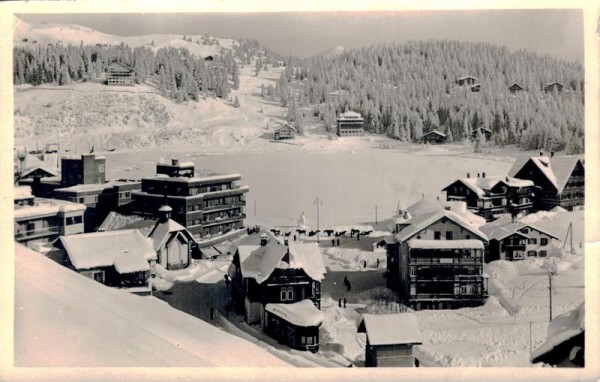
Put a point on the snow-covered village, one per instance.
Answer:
(203, 199)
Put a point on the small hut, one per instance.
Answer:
(434, 137)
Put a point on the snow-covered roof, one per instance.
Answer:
(115, 220)
(94, 187)
(58, 304)
(128, 250)
(504, 227)
(557, 169)
(30, 170)
(46, 207)
(480, 185)
(211, 178)
(391, 329)
(162, 231)
(259, 262)
(350, 115)
(445, 244)
(303, 313)
(284, 126)
(436, 132)
(424, 213)
(561, 329)
(23, 192)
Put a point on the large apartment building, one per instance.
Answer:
(208, 206)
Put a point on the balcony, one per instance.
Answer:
(34, 233)
(223, 207)
(217, 221)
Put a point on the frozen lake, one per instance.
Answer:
(350, 184)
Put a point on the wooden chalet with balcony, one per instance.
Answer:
(279, 287)
(350, 124)
(435, 258)
(434, 137)
(510, 240)
(558, 180)
(491, 197)
(286, 131)
(390, 339)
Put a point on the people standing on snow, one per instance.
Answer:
(338, 241)
(333, 242)
(344, 302)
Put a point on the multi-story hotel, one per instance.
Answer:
(207, 206)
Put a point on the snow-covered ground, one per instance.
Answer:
(63, 319)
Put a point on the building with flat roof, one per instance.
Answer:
(119, 74)
(39, 220)
(208, 206)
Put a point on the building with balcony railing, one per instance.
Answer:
(510, 240)
(435, 259)
(208, 206)
(350, 124)
(278, 286)
(558, 180)
(491, 197)
(39, 220)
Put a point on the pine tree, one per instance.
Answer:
(236, 77)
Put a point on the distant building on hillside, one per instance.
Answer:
(350, 124)
(285, 131)
(487, 133)
(279, 286)
(434, 137)
(390, 339)
(466, 80)
(475, 88)
(119, 74)
(435, 258)
(39, 221)
(553, 86)
(515, 88)
(558, 180)
(210, 207)
(493, 196)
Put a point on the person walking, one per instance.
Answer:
(333, 242)
(344, 302)
(338, 241)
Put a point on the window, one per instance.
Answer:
(101, 168)
(468, 192)
(287, 294)
(74, 220)
(413, 271)
(543, 253)
(449, 235)
(531, 254)
(466, 289)
(533, 240)
(525, 230)
(518, 255)
(543, 241)
(437, 235)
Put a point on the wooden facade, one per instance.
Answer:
(516, 241)
(293, 277)
(558, 180)
(119, 74)
(285, 132)
(493, 196)
(435, 260)
(434, 137)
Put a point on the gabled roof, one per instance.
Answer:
(435, 132)
(556, 169)
(31, 170)
(481, 128)
(303, 313)
(115, 221)
(516, 86)
(161, 232)
(286, 125)
(258, 262)
(465, 77)
(429, 213)
(480, 185)
(445, 244)
(114, 64)
(504, 227)
(391, 329)
(128, 250)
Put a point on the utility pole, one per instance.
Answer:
(254, 207)
(375, 213)
(551, 272)
(530, 339)
(318, 202)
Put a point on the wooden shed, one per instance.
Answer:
(285, 132)
(390, 339)
(434, 137)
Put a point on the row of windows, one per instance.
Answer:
(74, 220)
(286, 294)
(220, 229)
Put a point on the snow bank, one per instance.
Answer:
(338, 259)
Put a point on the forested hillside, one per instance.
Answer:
(405, 90)
(177, 73)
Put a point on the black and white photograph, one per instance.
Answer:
(347, 189)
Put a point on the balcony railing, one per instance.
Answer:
(44, 231)
(206, 223)
(223, 207)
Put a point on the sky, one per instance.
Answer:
(555, 32)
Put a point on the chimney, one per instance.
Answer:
(507, 180)
(174, 162)
(483, 174)
(447, 208)
(286, 241)
(468, 175)
(263, 239)
(541, 153)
